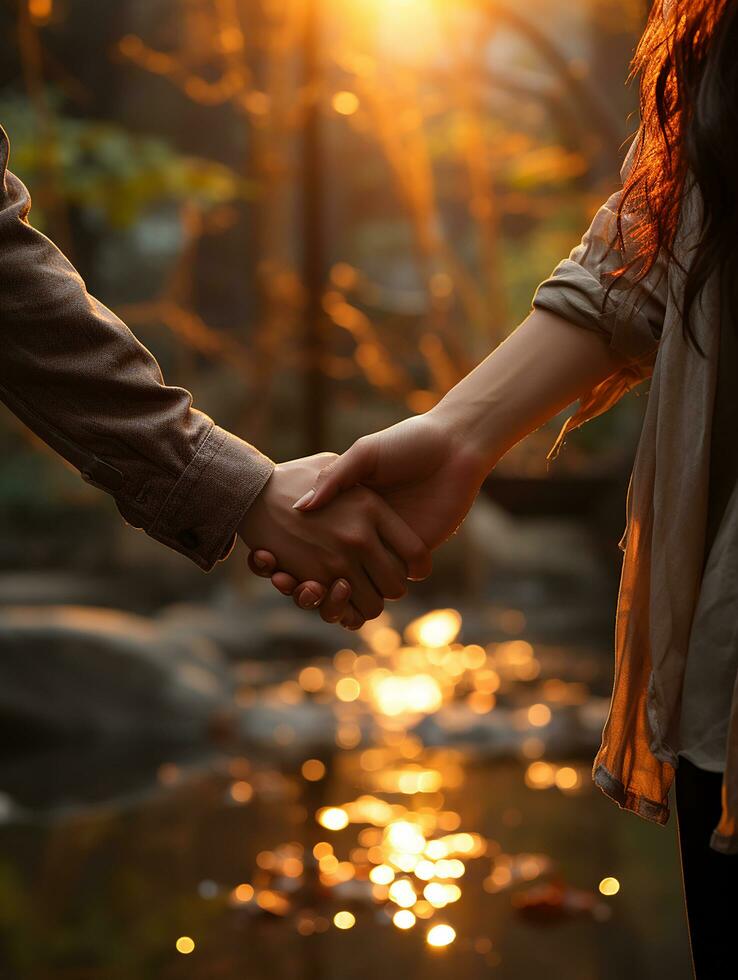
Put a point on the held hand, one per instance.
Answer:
(334, 603)
(357, 538)
(421, 467)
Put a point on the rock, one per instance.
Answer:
(574, 731)
(264, 630)
(57, 588)
(532, 545)
(76, 777)
(67, 671)
(294, 731)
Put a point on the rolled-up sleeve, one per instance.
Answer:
(628, 310)
(76, 375)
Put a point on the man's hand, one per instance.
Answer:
(421, 467)
(357, 541)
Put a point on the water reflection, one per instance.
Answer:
(400, 814)
(396, 847)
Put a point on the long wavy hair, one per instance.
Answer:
(687, 65)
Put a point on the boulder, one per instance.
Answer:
(67, 671)
(268, 628)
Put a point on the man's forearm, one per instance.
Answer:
(75, 374)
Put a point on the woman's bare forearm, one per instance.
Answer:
(542, 367)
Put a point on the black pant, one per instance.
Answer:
(710, 878)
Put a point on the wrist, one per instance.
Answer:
(251, 526)
(472, 440)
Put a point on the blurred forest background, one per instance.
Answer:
(319, 214)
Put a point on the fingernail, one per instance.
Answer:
(309, 600)
(259, 563)
(304, 500)
(341, 590)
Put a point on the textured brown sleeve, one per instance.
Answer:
(76, 375)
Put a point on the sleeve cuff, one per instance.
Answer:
(577, 296)
(201, 514)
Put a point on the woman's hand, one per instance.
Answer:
(421, 467)
(357, 539)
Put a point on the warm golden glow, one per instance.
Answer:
(408, 30)
(345, 103)
(292, 867)
(41, 11)
(539, 715)
(328, 865)
(185, 945)
(384, 640)
(441, 935)
(311, 679)
(395, 695)
(401, 846)
(436, 629)
(382, 875)
(480, 703)
(475, 657)
(344, 920)
(436, 849)
(435, 894)
(313, 770)
(267, 860)
(409, 781)
(487, 681)
(405, 836)
(344, 661)
(272, 902)
(332, 818)
(242, 893)
(540, 775)
(241, 792)
(425, 870)
(402, 893)
(609, 886)
(450, 869)
(567, 778)
(404, 919)
(348, 689)
(348, 736)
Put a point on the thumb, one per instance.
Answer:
(355, 466)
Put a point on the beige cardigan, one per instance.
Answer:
(666, 507)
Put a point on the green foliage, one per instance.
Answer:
(102, 167)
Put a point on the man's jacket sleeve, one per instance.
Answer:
(76, 375)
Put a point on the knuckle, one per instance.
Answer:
(354, 537)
